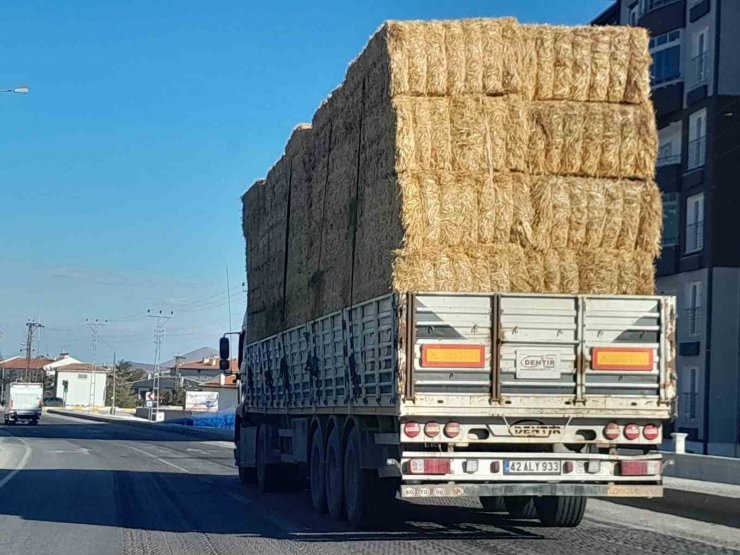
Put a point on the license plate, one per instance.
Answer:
(531, 467)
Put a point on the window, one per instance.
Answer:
(634, 15)
(666, 52)
(700, 58)
(690, 393)
(695, 223)
(693, 310)
(670, 219)
(697, 139)
(81, 376)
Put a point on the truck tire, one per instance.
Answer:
(317, 472)
(493, 504)
(268, 475)
(520, 507)
(560, 512)
(248, 475)
(333, 478)
(362, 488)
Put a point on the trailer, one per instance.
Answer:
(531, 402)
(22, 403)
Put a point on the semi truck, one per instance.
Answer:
(531, 402)
(22, 402)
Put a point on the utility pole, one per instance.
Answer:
(113, 400)
(32, 327)
(162, 319)
(94, 325)
(178, 379)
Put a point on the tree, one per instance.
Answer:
(126, 374)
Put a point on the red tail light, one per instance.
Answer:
(429, 466)
(568, 467)
(411, 429)
(611, 431)
(452, 429)
(639, 468)
(650, 432)
(431, 429)
(632, 431)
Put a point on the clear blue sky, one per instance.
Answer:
(120, 174)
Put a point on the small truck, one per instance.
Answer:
(531, 402)
(22, 402)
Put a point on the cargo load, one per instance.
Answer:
(475, 155)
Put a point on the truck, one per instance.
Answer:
(22, 403)
(531, 402)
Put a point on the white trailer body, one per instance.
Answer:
(23, 402)
(524, 396)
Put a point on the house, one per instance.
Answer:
(81, 384)
(227, 387)
(201, 370)
(696, 91)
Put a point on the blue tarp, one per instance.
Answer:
(221, 420)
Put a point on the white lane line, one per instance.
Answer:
(21, 464)
(155, 457)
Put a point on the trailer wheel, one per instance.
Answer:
(520, 507)
(493, 504)
(560, 512)
(362, 488)
(333, 479)
(317, 472)
(268, 475)
(248, 475)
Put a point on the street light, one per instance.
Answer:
(18, 90)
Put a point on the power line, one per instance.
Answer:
(162, 319)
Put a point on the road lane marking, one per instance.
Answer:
(21, 464)
(155, 457)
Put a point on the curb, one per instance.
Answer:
(202, 433)
(706, 507)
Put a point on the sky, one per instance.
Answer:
(121, 172)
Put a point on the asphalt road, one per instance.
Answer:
(70, 486)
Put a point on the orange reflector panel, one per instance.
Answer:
(453, 356)
(616, 358)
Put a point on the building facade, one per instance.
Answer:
(695, 46)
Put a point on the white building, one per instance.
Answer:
(227, 388)
(80, 385)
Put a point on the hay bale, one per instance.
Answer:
(651, 220)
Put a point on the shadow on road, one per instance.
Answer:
(56, 428)
(217, 504)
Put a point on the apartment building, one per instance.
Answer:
(695, 46)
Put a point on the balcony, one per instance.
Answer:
(697, 153)
(687, 405)
(692, 320)
(699, 72)
(668, 99)
(668, 160)
(694, 237)
(662, 16)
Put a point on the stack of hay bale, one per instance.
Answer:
(467, 155)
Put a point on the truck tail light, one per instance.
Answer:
(452, 429)
(568, 467)
(431, 429)
(429, 466)
(650, 432)
(631, 431)
(611, 431)
(639, 468)
(411, 429)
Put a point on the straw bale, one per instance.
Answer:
(563, 39)
(598, 271)
(536, 271)
(434, 37)
(569, 272)
(593, 135)
(473, 32)
(581, 75)
(597, 209)
(619, 63)
(545, 48)
(542, 192)
(628, 272)
(573, 131)
(523, 213)
(487, 213)
(551, 266)
(458, 210)
(468, 134)
(647, 141)
(611, 152)
(455, 49)
(600, 54)
(631, 205)
(517, 131)
(518, 271)
(637, 85)
(645, 263)
(613, 219)
(503, 208)
(651, 219)
(561, 209)
(579, 212)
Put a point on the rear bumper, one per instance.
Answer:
(492, 490)
(22, 414)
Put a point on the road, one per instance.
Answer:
(70, 486)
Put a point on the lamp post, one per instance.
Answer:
(23, 89)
